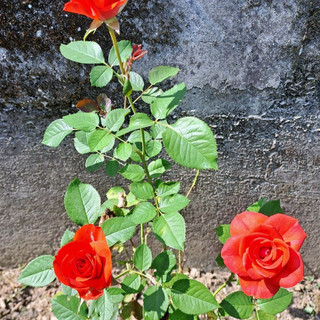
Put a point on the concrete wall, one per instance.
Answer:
(252, 72)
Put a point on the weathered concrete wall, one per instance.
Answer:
(252, 71)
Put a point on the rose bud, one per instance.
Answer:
(137, 52)
(263, 252)
(84, 264)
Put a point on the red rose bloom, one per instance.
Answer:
(263, 252)
(96, 9)
(85, 263)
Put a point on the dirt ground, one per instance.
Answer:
(24, 303)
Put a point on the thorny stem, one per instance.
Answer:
(225, 284)
(116, 48)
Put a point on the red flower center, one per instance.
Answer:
(264, 251)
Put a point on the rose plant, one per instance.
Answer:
(260, 246)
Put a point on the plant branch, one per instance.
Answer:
(224, 285)
(193, 183)
(116, 48)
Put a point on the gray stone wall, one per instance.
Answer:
(252, 72)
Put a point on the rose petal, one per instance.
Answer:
(89, 233)
(89, 293)
(293, 272)
(231, 257)
(246, 221)
(260, 289)
(289, 228)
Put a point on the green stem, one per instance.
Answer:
(224, 285)
(193, 183)
(132, 106)
(144, 91)
(145, 276)
(179, 259)
(116, 48)
(142, 232)
(122, 274)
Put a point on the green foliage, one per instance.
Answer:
(136, 81)
(153, 148)
(105, 308)
(278, 303)
(100, 76)
(67, 237)
(271, 207)
(164, 263)
(115, 119)
(94, 162)
(38, 272)
(137, 121)
(82, 121)
(155, 303)
(82, 202)
(170, 229)
(142, 190)
(112, 168)
(158, 167)
(123, 151)
(192, 297)
(142, 257)
(165, 103)
(190, 143)
(223, 233)
(88, 52)
(132, 284)
(143, 212)
(161, 73)
(260, 315)
(173, 203)
(118, 230)
(149, 95)
(69, 308)
(125, 50)
(133, 172)
(127, 88)
(100, 140)
(238, 305)
(55, 133)
(81, 142)
(168, 188)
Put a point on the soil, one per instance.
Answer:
(18, 302)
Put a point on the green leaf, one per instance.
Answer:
(168, 188)
(155, 303)
(220, 261)
(87, 52)
(170, 229)
(153, 148)
(132, 310)
(164, 104)
(142, 257)
(82, 121)
(94, 162)
(67, 237)
(82, 202)
(191, 143)
(158, 128)
(238, 305)
(142, 190)
(137, 121)
(81, 142)
(115, 119)
(113, 193)
(192, 297)
(131, 284)
(106, 309)
(271, 207)
(158, 167)
(174, 203)
(264, 316)
(278, 303)
(119, 229)
(161, 73)
(125, 50)
(135, 137)
(151, 94)
(116, 294)
(127, 88)
(133, 172)
(112, 168)
(143, 212)
(164, 263)
(100, 140)
(38, 272)
(123, 151)
(132, 200)
(67, 308)
(136, 81)
(100, 76)
(257, 205)
(55, 133)
(223, 233)
(179, 315)
(68, 291)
